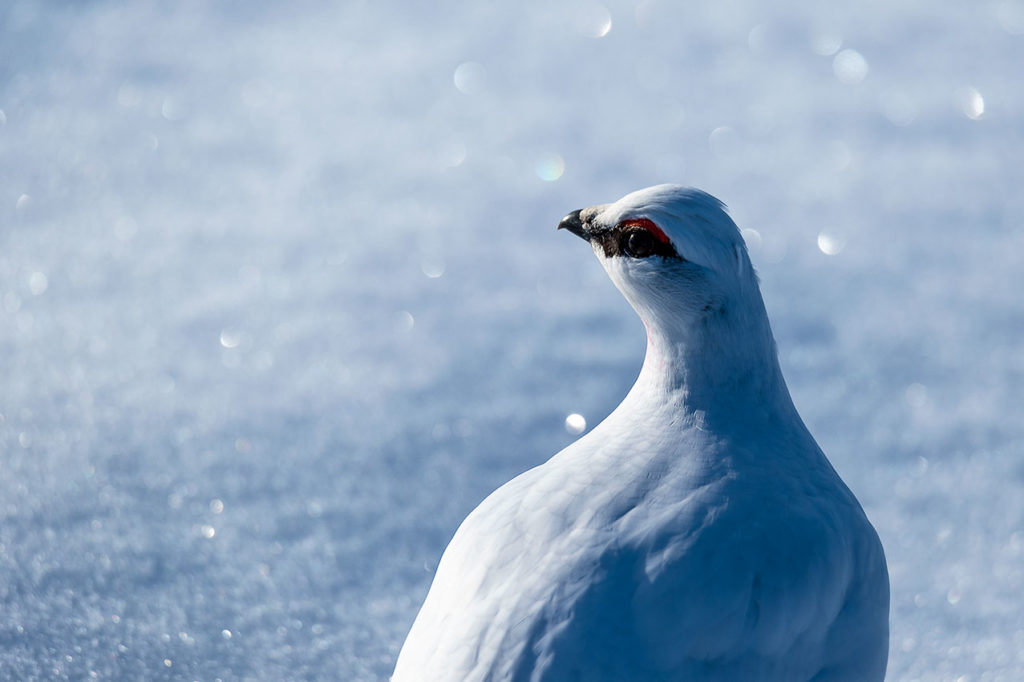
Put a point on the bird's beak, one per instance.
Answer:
(574, 224)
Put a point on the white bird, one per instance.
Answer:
(698, 533)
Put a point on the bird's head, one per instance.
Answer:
(682, 264)
(676, 256)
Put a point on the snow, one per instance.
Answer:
(281, 300)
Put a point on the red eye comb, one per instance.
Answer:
(647, 224)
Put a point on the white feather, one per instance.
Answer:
(697, 534)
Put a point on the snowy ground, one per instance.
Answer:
(281, 300)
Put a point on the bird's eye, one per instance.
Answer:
(639, 243)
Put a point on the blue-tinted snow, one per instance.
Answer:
(281, 300)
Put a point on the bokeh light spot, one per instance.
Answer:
(971, 103)
(831, 242)
(724, 141)
(128, 95)
(850, 67)
(433, 266)
(575, 424)
(916, 395)
(12, 302)
(230, 338)
(593, 20)
(752, 238)
(37, 283)
(404, 321)
(826, 43)
(470, 77)
(550, 167)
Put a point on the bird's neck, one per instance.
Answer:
(713, 371)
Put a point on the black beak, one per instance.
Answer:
(573, 223)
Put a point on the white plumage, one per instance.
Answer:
(697, 534)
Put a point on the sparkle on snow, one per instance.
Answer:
(278, 309)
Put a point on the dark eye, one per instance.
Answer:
(639, 243)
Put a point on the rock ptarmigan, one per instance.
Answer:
(698, 533)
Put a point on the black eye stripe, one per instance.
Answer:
(616, 242)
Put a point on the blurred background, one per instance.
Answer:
(281, 300)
